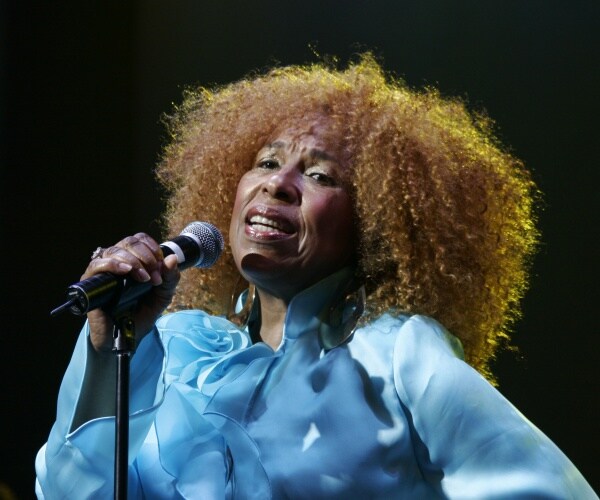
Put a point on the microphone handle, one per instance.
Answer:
(104, 290)
(114, 293)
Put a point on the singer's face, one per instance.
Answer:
(292, 221)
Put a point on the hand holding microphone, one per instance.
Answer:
(137, 272)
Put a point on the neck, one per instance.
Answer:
(272, 318)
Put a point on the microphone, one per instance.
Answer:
(199, 245)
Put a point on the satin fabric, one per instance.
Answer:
(392, 412)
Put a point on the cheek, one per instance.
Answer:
(237, 208)
(236, 214)
(334, 219)
(241, 195)
(234, 217)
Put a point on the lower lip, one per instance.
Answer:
(263, 234)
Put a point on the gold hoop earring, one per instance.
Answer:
(239, 315)
(343, 318)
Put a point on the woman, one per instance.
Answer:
(362, 210)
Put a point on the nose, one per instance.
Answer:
(284, 184)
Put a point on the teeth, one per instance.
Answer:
(259, 220)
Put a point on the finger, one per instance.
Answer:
(137, 252)
(170, 262)
(148, 251)
(163, 294)
(120, 261)
(170, 272)
(139, 247)
(170, 279)
(109, 265)
(152, 244)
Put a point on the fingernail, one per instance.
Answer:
(171, 259)
(124, 267)
(156, 278)
(143, 274)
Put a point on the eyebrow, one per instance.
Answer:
(318, 154)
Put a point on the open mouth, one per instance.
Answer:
(261, 223)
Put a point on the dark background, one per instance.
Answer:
(83, 85)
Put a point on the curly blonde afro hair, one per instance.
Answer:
(444, 213)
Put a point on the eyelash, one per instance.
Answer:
(319, 177)
(322, 178)
(269, 163)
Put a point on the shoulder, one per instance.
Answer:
(408, 334)
(415, 348)
(403, 344)
(426, 333)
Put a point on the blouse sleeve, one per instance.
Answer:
(79, 463)
(469, 441)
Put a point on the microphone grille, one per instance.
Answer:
(210, 240)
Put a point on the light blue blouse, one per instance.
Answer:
(393, 412)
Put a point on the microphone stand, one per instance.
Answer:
(123, 347)
(199, 245)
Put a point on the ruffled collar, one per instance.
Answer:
(330, 307)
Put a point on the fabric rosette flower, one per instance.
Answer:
(196, 341)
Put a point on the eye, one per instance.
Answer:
(321, 177)
(268, 163)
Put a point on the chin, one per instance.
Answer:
(261, 264)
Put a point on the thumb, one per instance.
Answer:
(170, 277)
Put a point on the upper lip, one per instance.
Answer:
(270, 216)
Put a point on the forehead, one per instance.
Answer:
(302, 143)
(316, 137)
